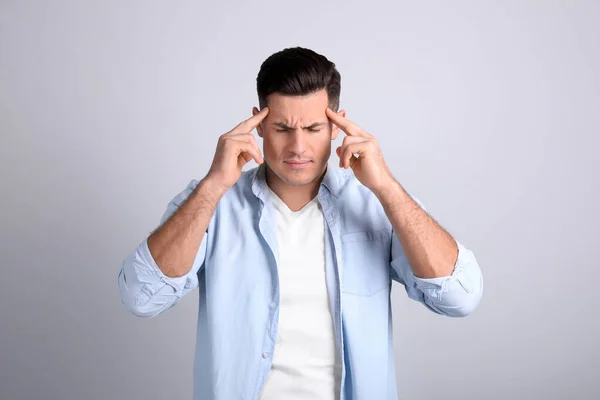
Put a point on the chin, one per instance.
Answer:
(298, 178)
(298, 182)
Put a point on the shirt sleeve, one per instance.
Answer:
(144, 289)
(456, 295)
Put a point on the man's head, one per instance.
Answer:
(297, 85)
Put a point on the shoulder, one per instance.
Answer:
(351, 190)
(243, 183)
(180, 197)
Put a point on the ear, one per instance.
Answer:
(335, 130)
(259, 127)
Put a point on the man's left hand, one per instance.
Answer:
(360, 151)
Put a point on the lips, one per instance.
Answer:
(298, 164)
(295, 162)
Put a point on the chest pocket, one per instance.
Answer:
(365, 262)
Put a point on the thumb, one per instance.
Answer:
(338, 150)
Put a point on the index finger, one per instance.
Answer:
(349, 127)
(252, 122)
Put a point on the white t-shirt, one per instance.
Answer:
(306, 363)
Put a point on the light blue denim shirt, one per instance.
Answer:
(235, 271)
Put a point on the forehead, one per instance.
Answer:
(293, 109)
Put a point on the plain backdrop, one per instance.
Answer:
(487, 111)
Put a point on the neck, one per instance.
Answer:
(294, 196)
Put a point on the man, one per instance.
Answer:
(294, 258)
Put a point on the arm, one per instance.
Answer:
(434, 268)
(164, 267)
(430, 250)
(174, 244)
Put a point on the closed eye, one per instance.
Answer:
(313, 128)
(289, 130)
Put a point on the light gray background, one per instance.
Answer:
(488, 112)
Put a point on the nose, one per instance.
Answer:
(297, 145)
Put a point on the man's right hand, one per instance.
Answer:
(234, 150)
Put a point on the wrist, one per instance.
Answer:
(392, 194)
(390, 188)
(213, 187)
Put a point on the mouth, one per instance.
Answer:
(298, 163)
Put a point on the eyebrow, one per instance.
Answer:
(283, 125)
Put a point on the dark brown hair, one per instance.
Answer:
(298, 71)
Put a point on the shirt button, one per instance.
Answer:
(265, 355)
(272, 305)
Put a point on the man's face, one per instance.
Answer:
(297, 136)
